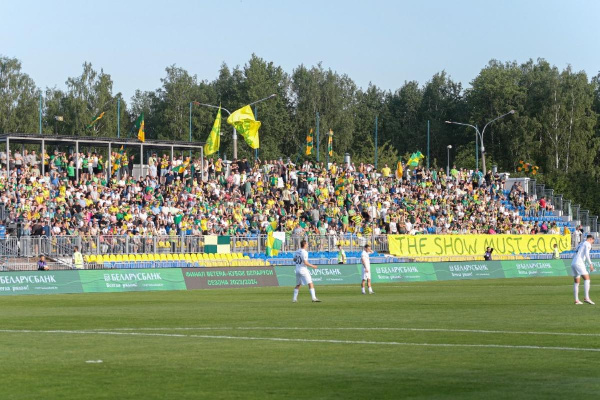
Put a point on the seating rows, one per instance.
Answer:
(311, 255)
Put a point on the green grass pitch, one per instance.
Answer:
(486, 339)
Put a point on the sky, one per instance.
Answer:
(377, 41)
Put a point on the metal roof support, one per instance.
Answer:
(7, 158)
(142, 160)
(109, 167)
(77, 160)
(43, 162)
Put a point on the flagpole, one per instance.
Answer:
(191, 103)
(256, 117)
(476, 151)
(40, 116)
(427, 144)
(376, 142)
(229, 113)
(119, 117)
(328, 139)
(317, 136)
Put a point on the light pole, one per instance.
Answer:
(480, 134)
(448, 167)
(228, 113)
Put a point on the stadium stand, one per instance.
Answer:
(163, 217)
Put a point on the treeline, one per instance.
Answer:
(555, 125)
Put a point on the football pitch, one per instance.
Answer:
(484, 339)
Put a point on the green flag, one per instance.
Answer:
(98, 118)
(214, 138)
(415, 159)
(309, 142)
(273, 245)
(117, 162)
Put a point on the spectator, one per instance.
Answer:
(488, 254)
(42, 265)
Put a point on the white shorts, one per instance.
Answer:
(366, 275)
(303, 276)
(579, 270)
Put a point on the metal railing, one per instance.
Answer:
(323, 243)
(558, 203)
(531, 187)
(584, 218)
(32, 266)
(539, 190)
(566, 209)
(64, 246)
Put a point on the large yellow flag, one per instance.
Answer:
(243, 121)
(214, 138)
(139, 125)
(399, 170)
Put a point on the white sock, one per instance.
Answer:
(576, 291)
(296, 294)
(312, 293)
(586, 288)
(363, 290)
(370, 289)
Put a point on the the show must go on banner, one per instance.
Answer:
(461, 245)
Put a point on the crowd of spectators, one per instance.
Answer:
(76, 196)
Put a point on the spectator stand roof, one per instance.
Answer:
(44, 140)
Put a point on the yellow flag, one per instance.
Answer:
(309, 142)
(214, 138)
(399, 170)
(139, 125)
(243, 121)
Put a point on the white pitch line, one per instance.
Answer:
(274, 328)
(333, 341)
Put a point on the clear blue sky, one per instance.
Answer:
(384, 42)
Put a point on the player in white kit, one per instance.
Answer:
(366, 263)
(578, 267)
(302, 275)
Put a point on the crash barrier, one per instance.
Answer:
(97, 281)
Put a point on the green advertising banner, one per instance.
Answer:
(526, 268)
(215, 278)
(596, 270)
(468, 270)
(125, 280)
(128, 280)
(39, 282)
(323, 275)
(402, 272)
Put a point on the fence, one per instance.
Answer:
(32, 266)
(64, 246)
(325, 243)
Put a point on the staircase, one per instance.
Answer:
(565, 213)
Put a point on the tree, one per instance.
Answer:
(18, 98)
(178, 90)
